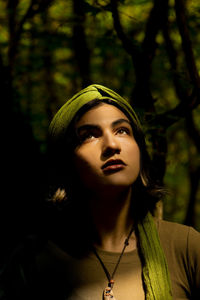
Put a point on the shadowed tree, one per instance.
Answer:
(80, 47)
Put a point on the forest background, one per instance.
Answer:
(147, 51)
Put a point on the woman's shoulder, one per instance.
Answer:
(18, 272)
(51, 256)
(27, 271)
(179, 236)
(176, 231)
(181, 244)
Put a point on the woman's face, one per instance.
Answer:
(108, 154)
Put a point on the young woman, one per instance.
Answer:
(105, 241)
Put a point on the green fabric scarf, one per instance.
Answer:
(154, 266)
(67, 112)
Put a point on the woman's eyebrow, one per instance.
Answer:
(87, 127)
(120, 121)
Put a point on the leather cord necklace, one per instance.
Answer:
(108, 293)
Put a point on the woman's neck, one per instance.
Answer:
(111, 216)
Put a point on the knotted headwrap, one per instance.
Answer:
(67, 112)
(154, 267)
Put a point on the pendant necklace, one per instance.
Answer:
(108, 292)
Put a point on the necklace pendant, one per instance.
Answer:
(108, 294)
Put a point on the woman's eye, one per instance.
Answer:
(87, 136)
(123, 131)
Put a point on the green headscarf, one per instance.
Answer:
(67, 112)
(154, 267)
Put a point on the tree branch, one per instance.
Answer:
(172, 54)
(192, 130)
(36, 6)
(15, 28)
(170, 117)
(194, 173)
(188, 100)
(129, 45)
(194, 183)
(155, 22)
(82, 54)
(186, 43)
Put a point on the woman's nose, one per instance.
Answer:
(111, 145)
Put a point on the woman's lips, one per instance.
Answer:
(113, 165)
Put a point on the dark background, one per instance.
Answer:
(147, 51)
